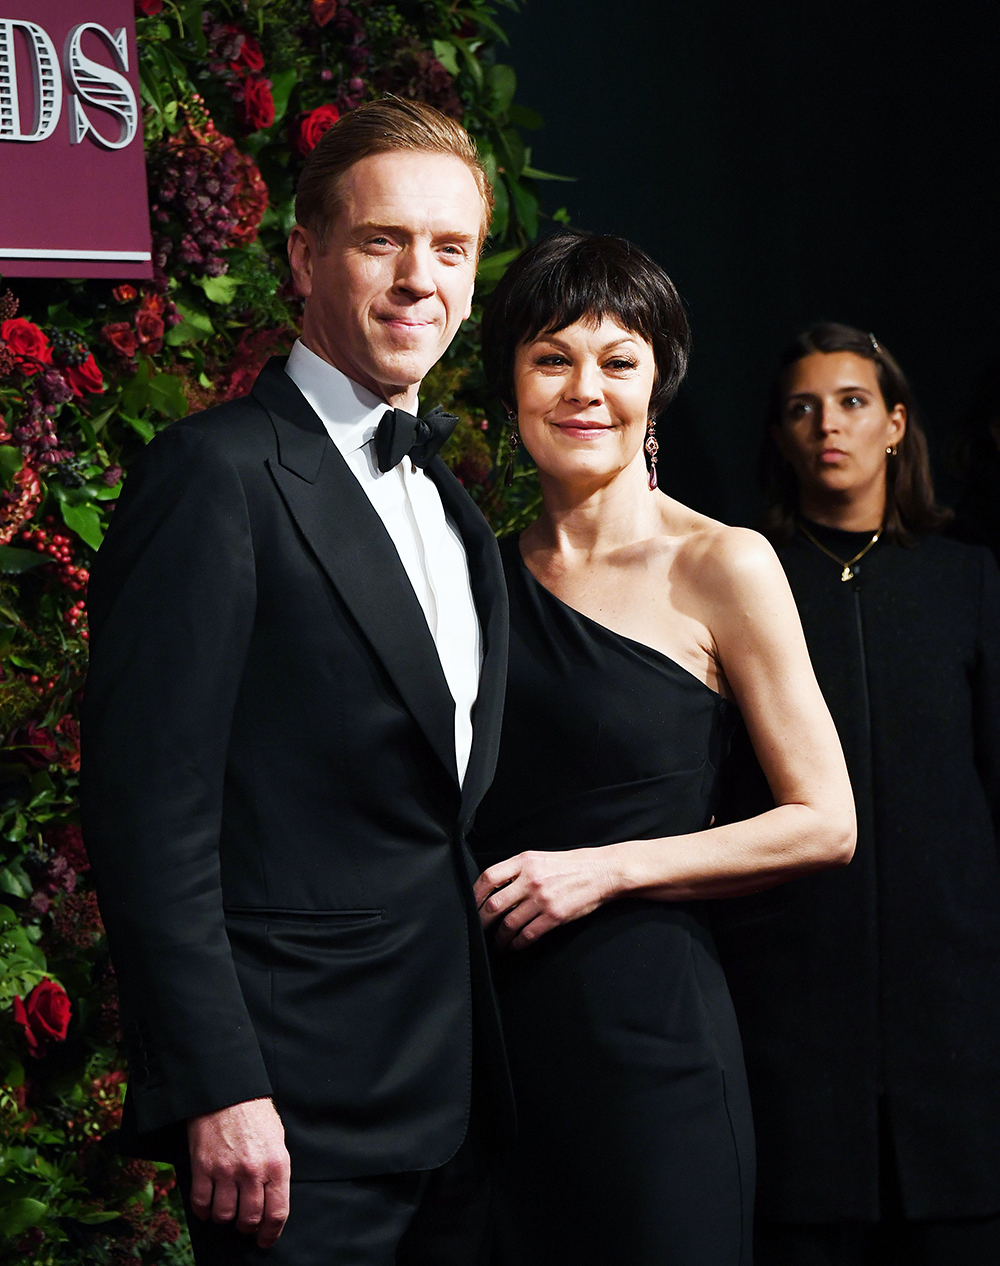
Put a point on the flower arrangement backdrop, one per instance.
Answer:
(235, 94)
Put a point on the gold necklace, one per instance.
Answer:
(848, 563)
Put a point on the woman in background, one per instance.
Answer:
(869, 998)
(637, 628)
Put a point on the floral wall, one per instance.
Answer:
(235, 94)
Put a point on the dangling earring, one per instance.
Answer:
(513, 443)
(891, 450)
(652, 448)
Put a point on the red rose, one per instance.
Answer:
(149, 328)
(28, 344)
(44, 1016)
(323, 11)
(310, 127)
(258, 104)
(121, 337)
(124, 293)
(249, 58)
(85, 377)
(148, 8)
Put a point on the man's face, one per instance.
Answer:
(387, 294)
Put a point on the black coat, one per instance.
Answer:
(883, 978)
(271, 801)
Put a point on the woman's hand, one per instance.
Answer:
(528, 895)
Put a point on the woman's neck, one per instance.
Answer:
(597, 517)
(851, 510)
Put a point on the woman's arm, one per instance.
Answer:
(762, 652)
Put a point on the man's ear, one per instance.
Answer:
(468, 306)
(301, 251)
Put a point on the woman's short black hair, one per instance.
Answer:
(570, 276)
(911, 507)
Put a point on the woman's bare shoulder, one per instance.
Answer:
(723, 562)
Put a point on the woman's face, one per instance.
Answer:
(835, 427)
(583, 399)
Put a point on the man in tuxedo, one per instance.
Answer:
(298, 629)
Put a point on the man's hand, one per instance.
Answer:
(240, 1168)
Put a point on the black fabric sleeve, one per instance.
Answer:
(171, 606)
(986, 689)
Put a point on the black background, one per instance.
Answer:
(787, 163)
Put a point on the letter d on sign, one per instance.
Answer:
(100, 86)
(48, 83)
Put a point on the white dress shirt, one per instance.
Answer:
(409, 504)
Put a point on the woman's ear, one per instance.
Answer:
(897, 424)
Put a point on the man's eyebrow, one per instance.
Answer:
(400, 230)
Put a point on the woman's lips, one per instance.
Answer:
(831, 455)
(582, 430)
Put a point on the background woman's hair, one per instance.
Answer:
(381, 127)
(910, 507)
(571, 275)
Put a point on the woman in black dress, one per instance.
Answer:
(869, 998)
(637, 629)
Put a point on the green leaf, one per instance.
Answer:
(103, 419)
(502, 83)
(10, 462)
(193, 327)
(493, 267)
(14, 883)
(472, 62)
(219, 289)
(91, 1217)
(141, 427)
(85, 521)
(135, 397)
(501, 209)
(522, 116)
(14, 560)
(446, 54)
(513, 149)
(19, 1215)
(282, 83)
(534, 174)
(167, 395)
(526, 205)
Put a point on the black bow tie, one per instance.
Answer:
(400, 435)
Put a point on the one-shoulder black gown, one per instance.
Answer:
(635, 1140)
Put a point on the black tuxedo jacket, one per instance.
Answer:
(271, 802)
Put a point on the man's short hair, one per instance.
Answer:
(381, 127)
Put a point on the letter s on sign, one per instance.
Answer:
(100, 86)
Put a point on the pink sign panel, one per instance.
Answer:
(72, 171)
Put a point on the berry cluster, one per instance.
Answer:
(67, 349)
(193, 187)
(60, 549)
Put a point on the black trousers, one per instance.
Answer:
(437, 1217)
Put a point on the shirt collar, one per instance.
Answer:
(349, 411)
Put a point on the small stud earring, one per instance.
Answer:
(652, 448)
(891, 450)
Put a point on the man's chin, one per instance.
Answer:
(409, 369)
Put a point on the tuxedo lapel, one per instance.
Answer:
(489, 592)
(353, 547)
